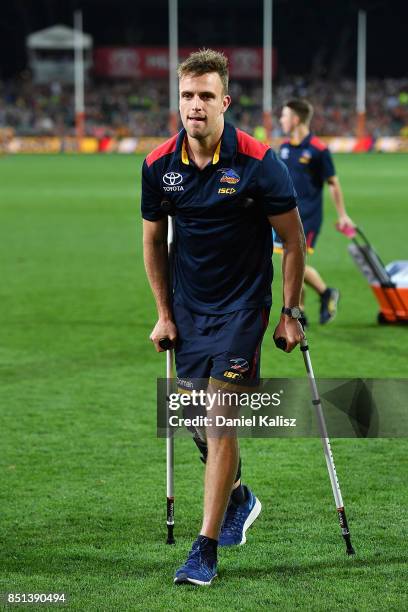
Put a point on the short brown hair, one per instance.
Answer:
(204, 61)
(302, 108)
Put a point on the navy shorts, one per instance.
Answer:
(311, 229)
(225, 347)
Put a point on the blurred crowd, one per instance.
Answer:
(140, 108)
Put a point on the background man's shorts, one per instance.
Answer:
(225, 347)
(311, 229)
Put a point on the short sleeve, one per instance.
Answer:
(275, 186)
(328, 168)
(151, 196)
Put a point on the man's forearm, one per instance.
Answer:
(293, 267)
(337, 197)
(157, 270)
(290, 229)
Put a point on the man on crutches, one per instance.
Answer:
(225, 190)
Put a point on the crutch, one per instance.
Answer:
(281, 343)
(167, 345)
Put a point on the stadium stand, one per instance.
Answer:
(139, 108)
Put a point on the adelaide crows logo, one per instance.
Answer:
(229, 176)
(305, 157)
(239, 364)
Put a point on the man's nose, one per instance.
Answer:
(196, 103)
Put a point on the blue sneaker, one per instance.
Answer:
(200, 567)
(328, 305)
(238, 519)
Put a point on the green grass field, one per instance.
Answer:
(82, 472)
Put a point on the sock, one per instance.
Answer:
(238, 495)
(208, 546)
(325, 293)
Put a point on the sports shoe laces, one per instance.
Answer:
(233, 520)
(196, 558)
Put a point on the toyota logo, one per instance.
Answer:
(172, 178)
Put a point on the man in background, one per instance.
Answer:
(311, 165)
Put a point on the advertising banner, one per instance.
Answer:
(145, 144)
(153, 62)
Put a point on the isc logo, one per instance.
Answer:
(228, 374)
(227, 190)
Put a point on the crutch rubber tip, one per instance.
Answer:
(170, 536)
(349, 548)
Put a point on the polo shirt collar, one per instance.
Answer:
(226, 148)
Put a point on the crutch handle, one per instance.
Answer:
(168, 207)
(280, 343)
(166, 344)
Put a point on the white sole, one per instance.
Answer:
(253, 515)
(196, 582)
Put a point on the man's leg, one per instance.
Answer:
(221, 468)
(220, 472)
(240, 361)
(196, 364)
(235, 341)
(201, 443)
(314, 280)
(329, 296)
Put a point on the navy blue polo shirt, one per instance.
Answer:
(310, 164)
(222, 260)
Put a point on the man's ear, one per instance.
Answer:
(225, 103)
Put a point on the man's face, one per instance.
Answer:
(288, 120)
(202, 104)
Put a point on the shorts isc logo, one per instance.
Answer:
(227, 190)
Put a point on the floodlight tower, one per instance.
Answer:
(79, 76)
(267, 68)
(361, 73)
(173, 63)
